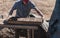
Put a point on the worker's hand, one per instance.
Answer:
(42, 17)
(9, 16)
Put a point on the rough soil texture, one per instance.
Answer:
(46, 6)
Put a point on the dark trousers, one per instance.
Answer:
(21, 33)
(40, 33)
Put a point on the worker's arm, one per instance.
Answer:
(13, 8)
(11, 11)
(33, 6)
(38, 11)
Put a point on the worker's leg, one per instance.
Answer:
(17, 33)
(20, 32)
(40, 33)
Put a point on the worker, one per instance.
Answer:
(23, 8)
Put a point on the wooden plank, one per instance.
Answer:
(23, 22)
(30, 19)
(19, 26)
(32, 33)
(28, 33)
(26, 21)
